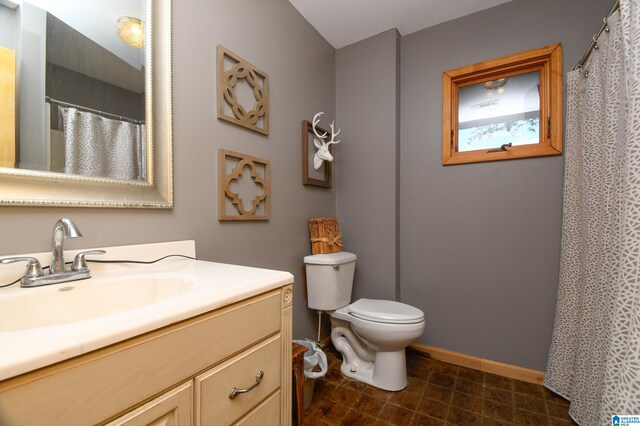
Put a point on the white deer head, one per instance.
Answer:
(323, 147)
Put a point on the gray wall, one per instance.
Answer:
(367, 94)
(7, 27)
(481, 242)
(273, 36)
(30, 86)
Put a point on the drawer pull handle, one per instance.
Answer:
(235, 391)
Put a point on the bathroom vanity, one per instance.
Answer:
(173, 361)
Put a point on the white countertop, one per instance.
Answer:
(214, 285)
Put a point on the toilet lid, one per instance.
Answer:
(330, 258)
(386, 311)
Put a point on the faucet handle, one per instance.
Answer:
(80, 263)
(33, 266)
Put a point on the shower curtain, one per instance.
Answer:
(100, 147)
(594, 359)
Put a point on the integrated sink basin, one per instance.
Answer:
(83, 300)
(44, 325)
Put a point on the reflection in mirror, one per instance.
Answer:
(83, 98)
(81, 89)
(497, 112)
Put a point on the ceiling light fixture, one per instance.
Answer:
(495, 84)
(131, 31)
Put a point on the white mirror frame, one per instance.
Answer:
(34, 188)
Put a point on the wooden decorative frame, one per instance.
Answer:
(308, 152)
(547, 61)
(256, 79)
(225, 179)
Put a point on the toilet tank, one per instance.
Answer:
(329, 280)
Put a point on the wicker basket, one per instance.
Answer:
(325, 235)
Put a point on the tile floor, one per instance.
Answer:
(437, 394)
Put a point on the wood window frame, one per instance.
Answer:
(548, 61)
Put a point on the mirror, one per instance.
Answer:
(90, 121)
(504, 108)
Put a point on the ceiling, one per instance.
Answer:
(343, 22)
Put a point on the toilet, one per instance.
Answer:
(370, 334)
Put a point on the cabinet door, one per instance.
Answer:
(169, 409)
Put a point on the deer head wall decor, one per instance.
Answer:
(323, 153)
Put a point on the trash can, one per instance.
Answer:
(315, 365)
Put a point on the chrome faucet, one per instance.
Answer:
(34, 275)
(64, 228)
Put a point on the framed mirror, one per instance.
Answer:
(91, 114)
(505, 108)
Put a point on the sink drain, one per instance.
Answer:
(69, 288)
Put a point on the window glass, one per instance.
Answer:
(501, 111)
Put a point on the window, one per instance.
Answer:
(505, 108)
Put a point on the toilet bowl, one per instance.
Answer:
(370, 334)
(373, 346)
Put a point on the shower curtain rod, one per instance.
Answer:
(593, 44)
(95, 111)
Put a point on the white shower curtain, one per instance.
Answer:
(595, 353)
(100, 147)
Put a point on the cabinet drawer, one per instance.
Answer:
(265, 414)
(213, 404)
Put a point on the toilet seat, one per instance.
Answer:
(385, 311)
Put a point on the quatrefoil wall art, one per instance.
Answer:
(244, 187)
(243, 92)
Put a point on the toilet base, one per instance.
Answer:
(387, 372)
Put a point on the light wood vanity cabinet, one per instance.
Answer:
(177, 375)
